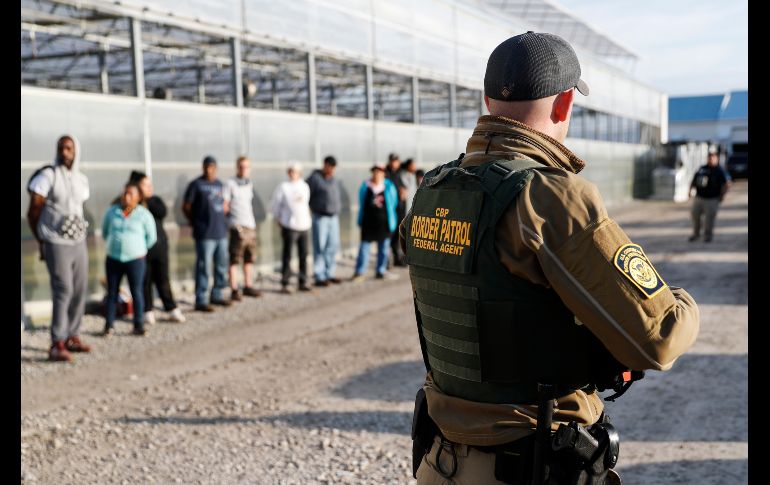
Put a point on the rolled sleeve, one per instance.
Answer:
(640, 331)
(559, 235)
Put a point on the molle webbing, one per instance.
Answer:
(485, 334)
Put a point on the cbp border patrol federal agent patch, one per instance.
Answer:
(632, 262)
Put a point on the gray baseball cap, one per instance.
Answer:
(532, 66)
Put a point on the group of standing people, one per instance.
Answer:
(223, 227)
(314, 203)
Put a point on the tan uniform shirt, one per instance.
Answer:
(558, 235)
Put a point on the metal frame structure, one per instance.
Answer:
(158, 84)
(93, 46)
(98, 50)
(556, 19)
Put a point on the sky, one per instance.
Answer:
(685, 47)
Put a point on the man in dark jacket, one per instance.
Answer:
(325, 205)
(205, 208)
(710, 183)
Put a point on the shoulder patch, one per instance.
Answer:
(631, 261)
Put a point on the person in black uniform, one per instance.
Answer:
(710, 183)
(157, 256)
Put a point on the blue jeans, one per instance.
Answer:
(383, 250)
(134, 269)
(326, 240)
(207, 250)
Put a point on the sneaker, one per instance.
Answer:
(107, 332)
(235, 295)
(221, 302)
(176, 316)
(321, 284)
(357, 278)
(334, 281)
(203, 307)
(249, 291)
(692, 238)
(139, 332)
(707, 239)
(381, 276)
(285, 290)
(149, 317)
(74, 344)
(59, 353)
(304, 287)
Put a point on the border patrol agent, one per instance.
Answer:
(529, 298)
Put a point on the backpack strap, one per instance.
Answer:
(38, 172)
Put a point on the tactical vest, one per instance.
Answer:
(487, 335)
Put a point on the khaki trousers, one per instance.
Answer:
(710, 207)
(473, 466)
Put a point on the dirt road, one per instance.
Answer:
(318, 388)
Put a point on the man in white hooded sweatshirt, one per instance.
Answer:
(55, 215)
(290, 206)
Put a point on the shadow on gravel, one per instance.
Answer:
(713, 283)
(372, 421)
(190, 420)
(733, 207)
(684, 223)
(702, 398)
(722, 243)
(43, 358)
(397, 381)
(703, 472)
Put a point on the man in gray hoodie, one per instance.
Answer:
(55, 215)
(325, 205)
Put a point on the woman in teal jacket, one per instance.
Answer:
(129, 230)
(377, 201)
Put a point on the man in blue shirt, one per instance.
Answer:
(205, 208)
(710, 183)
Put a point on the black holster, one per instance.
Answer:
(585, 456)
(577, 456)
(423, 431)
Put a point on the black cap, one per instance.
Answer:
(209, 160)
(532, 66)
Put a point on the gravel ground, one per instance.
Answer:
(318, 388)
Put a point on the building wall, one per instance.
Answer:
(183, 133)
(439, 40)
(719, 130)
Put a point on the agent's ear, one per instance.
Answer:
(562, 104)
(486, 101)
